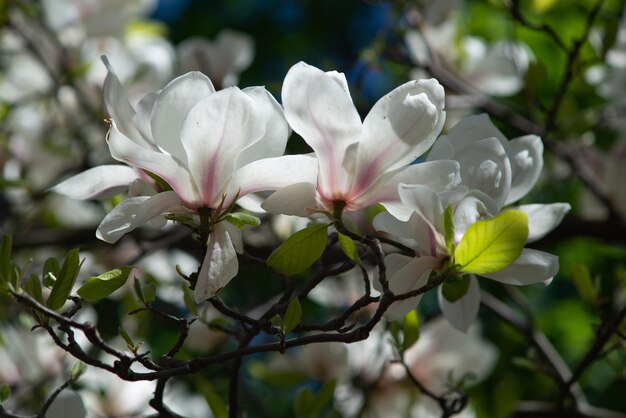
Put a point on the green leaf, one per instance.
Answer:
(50, 271)
(65, 280)
(293, 315)
(455, 289)
(5, 392)
(188, 299)
(217, 405)
(448, 225)
(542, 6)
(410, 329)
(300, 250)
(129, 341)
(77, 370)
(33, 287)
(241, 219)
(491, 245)
(303, 403)
(149, 292)
(349, 248)
(99, 287)
(584, 283)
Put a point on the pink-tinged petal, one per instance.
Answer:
(401, 126)
(117, 104)
(295, 199)
(214, 133)
(97, 182)
(412, 276)
(172, 106)
(532, 266)
(163, 165)
(543, 218)
(219, 266)
(273, 142)
(438, 175)
(319, 109)
(485, 166)
(526, 155)
(472, 129)
(135, 212)
(462, 313)
(273, 174)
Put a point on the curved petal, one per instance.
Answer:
(141, 119)
(401, 126)
(532, 266)
(319, 108)
(386, 222)
(97, 182)
(214, 133)
(412, 276)
(163, 165)
(526, 156)
(424, 201)
(273, 173)
(134, 212)
(117, 104)
(472, 129)
(461, 313)
(295, 199)
(438, 175)
(172, 106)
(273, 142)
(485, 166)
(543, 218)
(219, 266)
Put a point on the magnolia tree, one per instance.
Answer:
(297, 250)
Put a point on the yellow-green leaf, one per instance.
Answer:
(410, 329)
(300, 250)
(349, 248)
(491, 245)
(293, 315)
(241, 219)
(99, 287)
(64, 280)
(456, 289)
(542, 6)
(584, 284)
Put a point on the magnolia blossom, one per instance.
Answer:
(222, 60)
(494, 172)
(190, 149)
(359, 163)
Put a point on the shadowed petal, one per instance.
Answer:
(461, 313)
(294, 199)
(219, 266)
(532, 266)
(134, 212)
(97, 182)
(526, 155)
(543, 218)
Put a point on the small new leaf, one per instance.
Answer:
(293, 315)
(241, 219)
(584, 284)
(456, 289)
(491, 245)
(77, 370)
(300, 250)
(349, 248)
(129, 341)
(190, 303)
(5, 392)
(64, 280)
(149, 292)
(33, 287)
(50, 271)
(410, 329)
(99, 287)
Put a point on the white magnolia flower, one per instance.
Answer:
(359, 163)
(494, 172)
(201, 150)
(222, 60)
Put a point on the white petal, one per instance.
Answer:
(141, 120)
(472, 129)
(532, 266)
(319, 109)
(412, 276)
(438, 175)
(543, 218)
(463, 312)
(294, 199)
(236, 236)
(219, 266)
(214, 133)
(273, 142)
(117, 103)
(388, 223)
(401, 126)
(172, 106)
(424, 201)
(97, 182)
(163, 165)
(526, 155)
(134, 212)
(273, 173)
